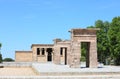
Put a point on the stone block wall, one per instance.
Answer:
(42, 58)
(23, 56)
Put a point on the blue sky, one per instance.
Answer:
(26, 22)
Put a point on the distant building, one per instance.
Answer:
(66, 52)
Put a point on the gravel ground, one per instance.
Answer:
(17, 72)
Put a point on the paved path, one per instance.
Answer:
(50, 67)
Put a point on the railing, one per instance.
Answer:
(16, 64)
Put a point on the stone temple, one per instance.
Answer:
(67, 52)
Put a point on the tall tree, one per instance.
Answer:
(102, 40)
(0, 53)
(0, 57)
(0, 46)
(114, 38)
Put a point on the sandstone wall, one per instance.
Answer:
(23, 56)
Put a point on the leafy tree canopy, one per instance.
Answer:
(0, 57)
(114, 39)
(8, 59)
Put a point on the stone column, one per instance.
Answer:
(36, 55)
(93, 55)
(68, 55)
(57, 55)
(75, 55)
(63, 56)
(52, 54)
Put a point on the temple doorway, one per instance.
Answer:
(85, 53)
(49, 56)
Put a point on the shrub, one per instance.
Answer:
(8, 59)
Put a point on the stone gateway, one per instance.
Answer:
(67, 52)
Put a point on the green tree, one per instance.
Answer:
(114, 38)
(8, 59)
(0, 57)
(102, 40)
(108, 40)
(0, 53)
(100, 35)
(0, 46)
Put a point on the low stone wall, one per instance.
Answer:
(16, 64)
(59, 77)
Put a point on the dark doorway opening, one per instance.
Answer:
(49, 56)
(85, 49)
(38, 51)
(65, 56)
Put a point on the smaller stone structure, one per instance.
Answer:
(42, 52)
